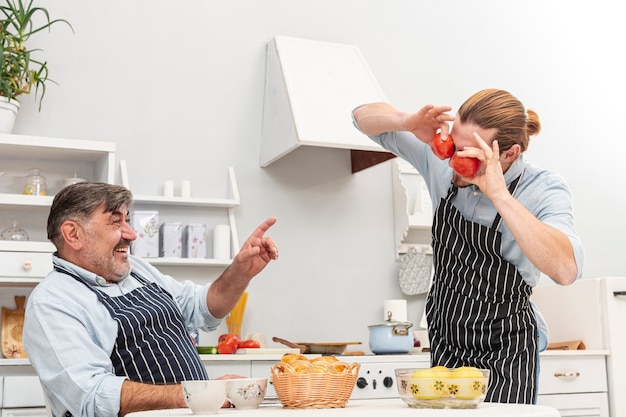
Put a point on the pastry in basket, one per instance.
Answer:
(325, 358)
(292, 357)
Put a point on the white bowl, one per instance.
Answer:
(205, 397)
(247, 393)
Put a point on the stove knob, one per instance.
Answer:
(388, 381)
(361, 382)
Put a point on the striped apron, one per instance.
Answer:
(478, 308)
(152, 345)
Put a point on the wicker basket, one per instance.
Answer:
(314, 390)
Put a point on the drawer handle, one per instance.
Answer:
(566, 374)
(27, 265)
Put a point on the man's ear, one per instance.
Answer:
(72, 234)
(512, 153)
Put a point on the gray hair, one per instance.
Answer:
(79, 201)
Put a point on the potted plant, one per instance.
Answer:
(20, 70)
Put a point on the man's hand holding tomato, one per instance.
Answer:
(491, 175)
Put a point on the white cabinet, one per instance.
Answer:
(22, 396)
(591, 310)
(413, 209)
(27, 262)
(574, 382)
(57, 159)
(171, 207)
(311, 88)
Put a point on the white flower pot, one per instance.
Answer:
(8, 113)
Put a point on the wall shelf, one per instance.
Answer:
(148, 202)
(412, 207)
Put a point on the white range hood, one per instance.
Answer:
(311, 88)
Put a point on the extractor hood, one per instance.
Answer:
(311, 88)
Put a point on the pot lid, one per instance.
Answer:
(392, 323)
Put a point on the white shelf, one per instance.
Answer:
(188, 202)
(19, 200)
(37, 147)
(19, 282)
(26, 246)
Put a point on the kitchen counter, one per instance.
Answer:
(374, 408)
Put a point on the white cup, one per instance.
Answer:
(221, 241)
(185, 188)
(168, 188)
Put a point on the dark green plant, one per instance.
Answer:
(20, 71)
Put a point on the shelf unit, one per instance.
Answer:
(413, 211)
(95, 161)
(229, 203)
(25, 263)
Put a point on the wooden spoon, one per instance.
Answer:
(302, 348)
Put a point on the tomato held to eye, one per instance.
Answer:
(465, 167)
(444, 149)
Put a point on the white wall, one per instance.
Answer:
(179, 87)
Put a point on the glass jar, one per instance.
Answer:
(14, 232)
(35, 183)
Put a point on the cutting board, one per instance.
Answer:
(266, 351)
(12, 326)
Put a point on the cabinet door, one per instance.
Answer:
(578, 405)
(25, 412)
(22, 391)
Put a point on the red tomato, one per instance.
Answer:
(443, 149)
(248, 344)
(227, 343)
(465, 167)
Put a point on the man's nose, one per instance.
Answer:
(128, 232)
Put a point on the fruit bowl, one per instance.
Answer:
(440, 387)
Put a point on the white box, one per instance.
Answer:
(194, 241)
(146, 225)
(170, 240)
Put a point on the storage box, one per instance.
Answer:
(146, 225)
(171, 240)
(194, 241)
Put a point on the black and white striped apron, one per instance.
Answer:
(478, 309)
(152, 344)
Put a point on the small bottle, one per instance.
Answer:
(35, 183)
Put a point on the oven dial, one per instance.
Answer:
(361, 382)
(388, 382)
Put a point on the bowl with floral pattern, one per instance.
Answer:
(440, 387)
(247, 393)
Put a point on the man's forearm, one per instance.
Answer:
(377, 118)
(139, 397)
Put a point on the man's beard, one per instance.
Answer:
(458, 182)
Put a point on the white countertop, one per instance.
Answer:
(362, 359)
(374, 408)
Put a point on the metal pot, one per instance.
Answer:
(391, 337)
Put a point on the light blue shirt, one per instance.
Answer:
(69, 334)
(544, 193)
